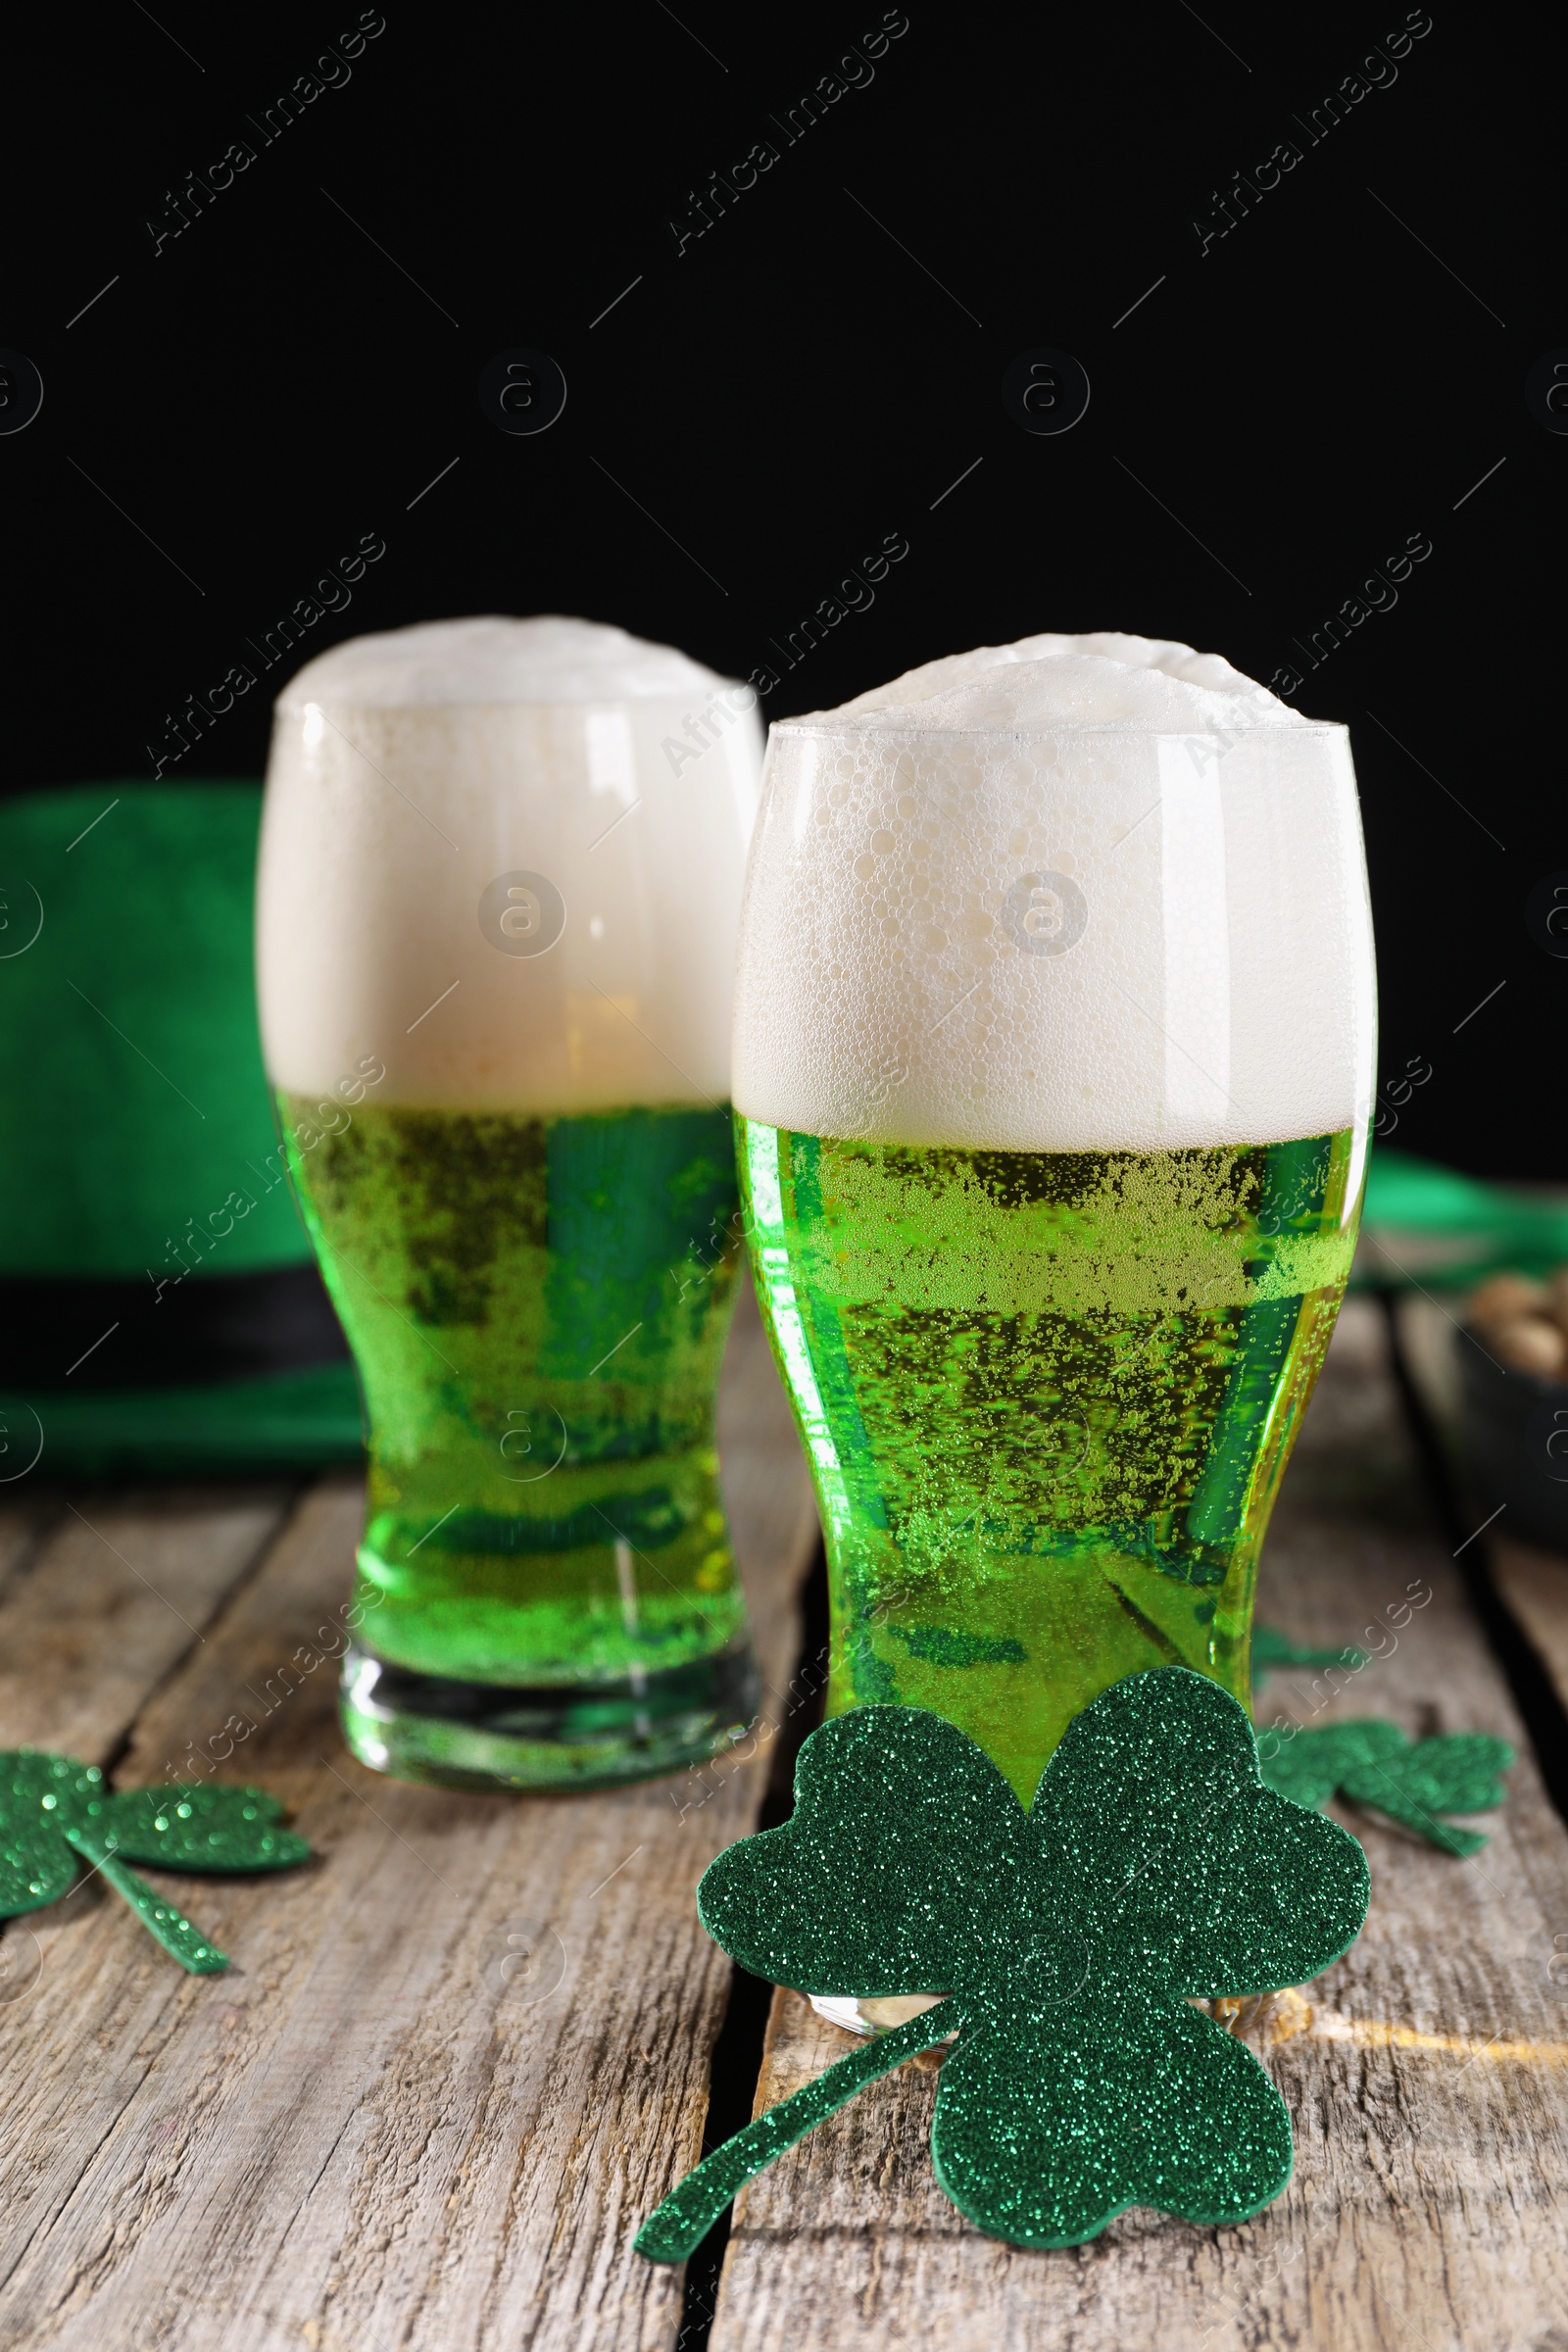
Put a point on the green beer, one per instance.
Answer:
(1048, 1397)
(1053, 1039)
(499, 890)
(538, 1308)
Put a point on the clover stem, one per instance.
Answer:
(1411, 1816)
(174, 1930)
(680, 2224)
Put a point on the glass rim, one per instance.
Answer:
(283, 707)
(873, 723)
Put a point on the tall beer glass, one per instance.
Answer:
(1053, 1051)
(500, 880)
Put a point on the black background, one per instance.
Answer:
(819, 370)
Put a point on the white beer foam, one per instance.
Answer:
(1075, 894)
(1104, 679)
(550, 659)
(410, 771)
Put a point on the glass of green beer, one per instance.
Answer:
(1053, 1036)
(499, 888)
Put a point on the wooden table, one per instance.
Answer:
(370, 2135)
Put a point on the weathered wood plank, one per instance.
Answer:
(25, 1519)
(122, 1586)
(1427, 2074)
(367, 2136)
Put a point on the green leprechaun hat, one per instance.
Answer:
(159, 1307)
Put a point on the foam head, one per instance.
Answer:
(504, 857)
(1076, 893)
(550, 659)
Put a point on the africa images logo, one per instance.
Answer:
(1045, 915)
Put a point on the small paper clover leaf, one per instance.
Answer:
(1153, 1867)
(1377, 1765)
(56, 1812)
(1272, 1648)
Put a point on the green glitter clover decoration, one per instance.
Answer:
(1377, 1765)
(56, 1813)
(1152, 1868)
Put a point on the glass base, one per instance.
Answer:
(877, 2013)
(459, 1734)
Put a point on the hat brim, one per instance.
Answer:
(302, 1420)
